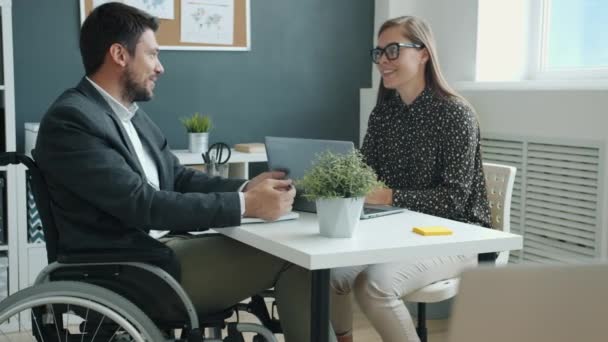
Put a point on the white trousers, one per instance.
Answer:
(379, 288)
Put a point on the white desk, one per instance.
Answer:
(239, 161)
(378, 240)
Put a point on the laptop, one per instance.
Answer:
(548, 303)
(296, 156)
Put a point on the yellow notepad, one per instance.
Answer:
(432, 230)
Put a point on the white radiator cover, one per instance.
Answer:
(557, 198)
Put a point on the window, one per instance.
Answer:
(574, 39)
(521, 40)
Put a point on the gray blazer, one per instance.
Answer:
(100, 198)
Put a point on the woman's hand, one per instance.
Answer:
(380, 196)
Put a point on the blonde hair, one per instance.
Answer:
(419, 32)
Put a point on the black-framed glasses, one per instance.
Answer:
(391, 51)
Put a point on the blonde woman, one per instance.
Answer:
(423, 141)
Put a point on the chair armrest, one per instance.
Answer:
(161, 274)
(149, 256)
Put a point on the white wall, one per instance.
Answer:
(576, 115)
(454, 26)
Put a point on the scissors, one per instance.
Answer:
(218, 153)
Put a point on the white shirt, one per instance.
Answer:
(143, 155)
(125, 115)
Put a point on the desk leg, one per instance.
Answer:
(319, 313)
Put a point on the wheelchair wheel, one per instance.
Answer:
(73, 311)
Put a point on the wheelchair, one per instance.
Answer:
(109, 297)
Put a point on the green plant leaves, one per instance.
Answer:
(338, 175)
(197, 123)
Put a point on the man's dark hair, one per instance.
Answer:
(108, 24)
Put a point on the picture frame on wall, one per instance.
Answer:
(221, 25)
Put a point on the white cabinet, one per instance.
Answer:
(238, 162)
(31, 133)
(9, 244)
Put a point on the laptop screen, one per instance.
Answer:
(298, 155)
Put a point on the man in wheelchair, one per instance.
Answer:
(112, 179)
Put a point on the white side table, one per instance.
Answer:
(239, 161)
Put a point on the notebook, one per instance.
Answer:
(296, 157)
(250, 148)
(289, 216)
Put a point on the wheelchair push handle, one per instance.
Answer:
(15, 158)
(9, 158)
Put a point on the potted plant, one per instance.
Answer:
(198, 127)
(338, 183)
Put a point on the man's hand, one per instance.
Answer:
(269, 199)
(380, 196)
(262, 177)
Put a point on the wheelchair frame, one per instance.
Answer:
(44, 289)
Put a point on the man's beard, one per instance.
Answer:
(134, 92)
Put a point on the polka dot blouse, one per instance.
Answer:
(429, 154)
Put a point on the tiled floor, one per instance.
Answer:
(364, 332)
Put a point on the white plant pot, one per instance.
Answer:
(339, 217)
(198, 142)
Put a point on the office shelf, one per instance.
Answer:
(9, 251)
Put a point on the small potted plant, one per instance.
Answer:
(338, 183)
(198, 127)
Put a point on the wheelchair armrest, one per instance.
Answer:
(145, 256)
(161, 274)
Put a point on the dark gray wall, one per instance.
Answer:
(302, 77)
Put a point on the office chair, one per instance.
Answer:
(499, 186)
(110, 296)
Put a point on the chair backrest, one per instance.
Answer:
(41, 197)
(499, 186)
